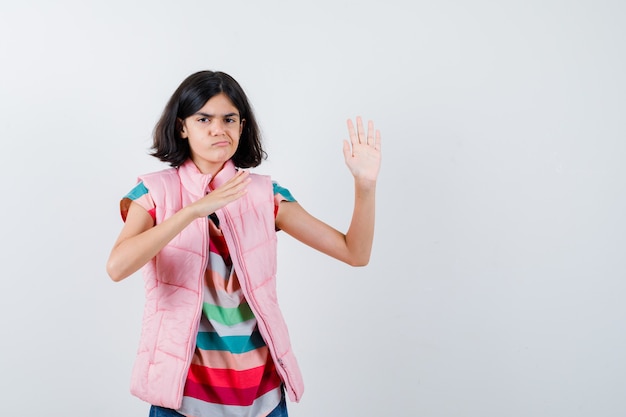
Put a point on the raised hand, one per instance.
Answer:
(362, 153)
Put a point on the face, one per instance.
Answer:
(213, 133)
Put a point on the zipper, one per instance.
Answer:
(191, 344)
(252, 302)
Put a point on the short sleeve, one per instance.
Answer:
(140, 195)
(281, 194)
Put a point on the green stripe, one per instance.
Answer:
(228, 316)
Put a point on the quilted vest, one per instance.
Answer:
(173, 281)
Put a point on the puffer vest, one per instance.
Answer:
(173, 281)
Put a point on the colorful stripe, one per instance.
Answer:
(214, 393)
(228, 316)
(243, 328)
(261, 407)
(232, 344)
(138, 191)
(226, 377)
(282, 192)
(140, 195)
(218, 247)
(227, 360)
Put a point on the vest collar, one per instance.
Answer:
(227, 172)
(197, 183)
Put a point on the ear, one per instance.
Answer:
(243, 121)
(180, 126)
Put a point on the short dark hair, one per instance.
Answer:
(191, 96)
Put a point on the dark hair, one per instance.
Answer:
(191, 96)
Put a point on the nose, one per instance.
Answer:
(217, 127)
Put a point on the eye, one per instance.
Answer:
(204, 119)
(231, 120)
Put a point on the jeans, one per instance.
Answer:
(156, 411)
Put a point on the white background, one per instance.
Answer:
(496, 285)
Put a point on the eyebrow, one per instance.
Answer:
(212, 115)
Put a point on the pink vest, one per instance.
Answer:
(173, 282)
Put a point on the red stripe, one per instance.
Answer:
(226, 377)
(233, 396)
(217, 244)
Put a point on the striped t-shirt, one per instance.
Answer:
(232, 373)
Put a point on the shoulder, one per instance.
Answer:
(160, 180)
(260, 181)
(164, 173)
(143, 193)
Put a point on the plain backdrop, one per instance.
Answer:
(497, 280)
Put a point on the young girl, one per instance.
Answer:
(213, 340)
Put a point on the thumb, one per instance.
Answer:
(347, 152)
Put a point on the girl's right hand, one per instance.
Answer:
(228, 192)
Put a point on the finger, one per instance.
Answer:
(240, 184)
(235, 190)
(351, 132)
(239, 176)
(360, 130)
(370, 133)
(377, 143)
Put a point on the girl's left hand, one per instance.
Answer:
(362, 153)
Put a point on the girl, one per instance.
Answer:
(213, 340)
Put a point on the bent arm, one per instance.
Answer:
(362, 154)
(354, 247)
(139, 241)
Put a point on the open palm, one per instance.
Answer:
(362, 153)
